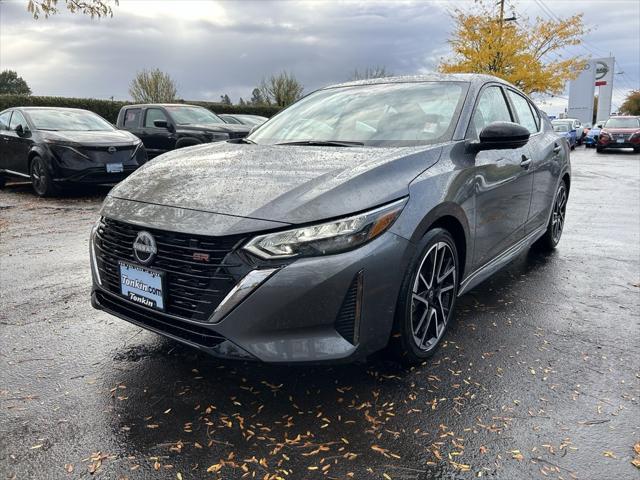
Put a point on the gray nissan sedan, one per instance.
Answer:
(349, 222)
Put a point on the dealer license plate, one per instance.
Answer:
(114, 168)
(141, 285)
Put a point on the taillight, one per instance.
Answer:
(603, 137)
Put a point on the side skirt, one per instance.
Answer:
(17, 174)
(500, 261)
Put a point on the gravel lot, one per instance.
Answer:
(539, 376)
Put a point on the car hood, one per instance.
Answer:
(217, 127)
(288, 184)
(108, 137)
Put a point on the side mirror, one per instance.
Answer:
(501, 136)
(22, 131)
(161, 124)
(599, 125)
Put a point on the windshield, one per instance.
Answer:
(622, 122)
(561, 128)
(69, 120)
(193, 116)
(391, 114)
(251, 120)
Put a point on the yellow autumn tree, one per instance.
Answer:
(529, 55)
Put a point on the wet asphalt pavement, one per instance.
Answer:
(538, 378)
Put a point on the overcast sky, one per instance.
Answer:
(215, 47)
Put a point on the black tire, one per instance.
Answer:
(552, 236)
(599, 150)
(3, 181)
(573, 147)
(636, 149)
(41, 178)
(411, 314)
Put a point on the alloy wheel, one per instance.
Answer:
(558, 215)
(433, 294)
(38, 176)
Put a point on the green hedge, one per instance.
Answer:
(109, 109)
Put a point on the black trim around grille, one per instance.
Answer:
(193, 288)
(158, 321)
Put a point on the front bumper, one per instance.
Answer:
(305, 312)
(619, 145)
(94, 175)
(91, 165)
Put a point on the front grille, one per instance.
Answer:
(348, 318)
(159, 322)
(193, 289)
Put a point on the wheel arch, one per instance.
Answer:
(452, 218)
(566, 178)
(33, 153)
(187, 141)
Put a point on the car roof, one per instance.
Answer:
(50, 108)
(140, 105)
(433, 77)
(623, 116)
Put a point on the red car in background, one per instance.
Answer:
(620, 132)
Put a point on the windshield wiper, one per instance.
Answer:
(324, 143)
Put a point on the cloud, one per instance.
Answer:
(213, 48)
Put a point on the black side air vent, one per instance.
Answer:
(348, 320)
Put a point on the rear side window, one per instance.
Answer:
(492, 107)
(132, 117)
(523, 110)
(17, 119)
(4, 120)
(152, 115)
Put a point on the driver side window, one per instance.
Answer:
(492, 107)
(4, 120)
(152, 115)
(17, 119)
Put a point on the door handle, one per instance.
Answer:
(526, 162)
(557, 148)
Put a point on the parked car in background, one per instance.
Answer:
(243, 119)
(620, 132)
(165, 127)
(53, 146)
(563, 129)
(352, 219)
(574, 125)
(591, 139)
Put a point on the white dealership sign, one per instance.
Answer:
(598, 72)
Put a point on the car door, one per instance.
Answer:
(132, 122)
(17, 147)
(544, 147)
(157, 140)
(5, 117)
(502, 183)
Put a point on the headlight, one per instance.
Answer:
(217, 136)
(60, 148)
(61, 143)
(326, 238)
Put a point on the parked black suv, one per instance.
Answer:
(164, 127)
